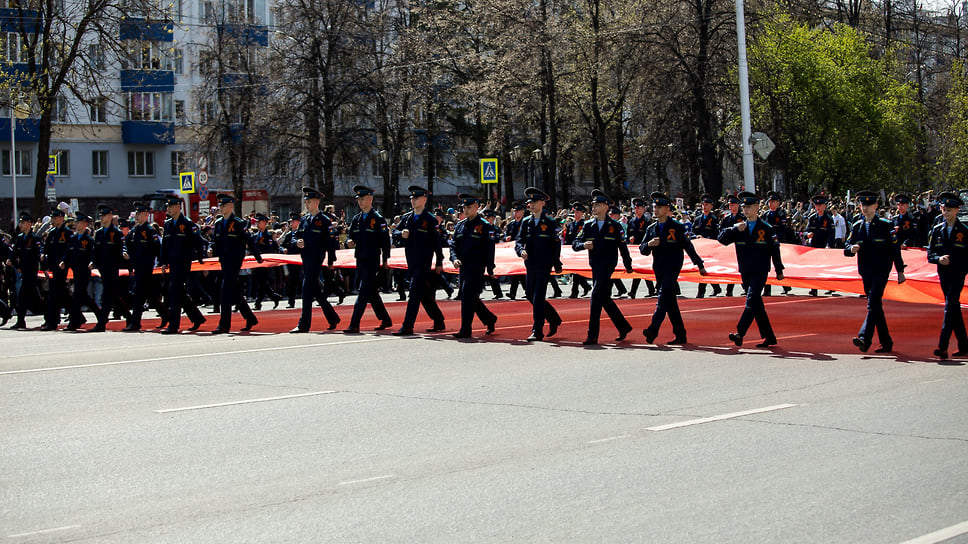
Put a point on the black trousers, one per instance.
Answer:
(423, 292)
(178, 298)
(602, 300)
(755, 309)
(517, 281)
(231, 297)
(668, 304)
(578, 281)
(635, 287)
(954, 321)
(29, 295)
(875, 320)
(312, 293)
(262, 285)
(146, 291)
(536, 288)
(471, 281)
(57, 296)
(80, 299)
(293, 280)
(368, 292)
(110, 294)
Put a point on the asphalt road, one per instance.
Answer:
(121, 438)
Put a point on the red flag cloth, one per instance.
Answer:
(806, 267)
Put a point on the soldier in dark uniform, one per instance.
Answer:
(874, 242)
(369, 238)
(315, 239)
(107, 258)
(776, 218)
(604, 239)
(666, 240)
(511, 231)
(25, 258)
(948, 248)
(572, 232)
(5, 311)
(756, 247)
(732, 217)
(264, 244)
(493, 281)
(80, 252)
(141, 248)
(293, 271)
(230, 239)
(905, 224)
(537, 243)
(180, 245)
(706, 226)
(820, 227)
(472, 252)
(635, 232)
(418, 232)
(55, 250)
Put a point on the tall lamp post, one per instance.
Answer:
(19, 111)
(749, 181)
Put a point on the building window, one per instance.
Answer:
(149, 107)
(59, 115)
(99, 163)
(180, 112)
(63, 163)
(99, 110)
(208, 12)
(23, 162)
(148, 56)
(14, 48)
(178, 61)
(141, 164)
(179, 163)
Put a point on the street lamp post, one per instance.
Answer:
(749, 181)
(18, 111)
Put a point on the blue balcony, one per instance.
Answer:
(146, 132)
(147, 81)
(246, 34)
(21, 20)
(143, 30)
(28, 130)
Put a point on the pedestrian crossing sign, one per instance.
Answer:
(488, 170)
(187, 182)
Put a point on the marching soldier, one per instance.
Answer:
(905, 224)
(948, 248)
(572, 232)
(293, 271)
(418, 232)
(108, 254)
(874, 242)
(820, 227)
(537, 243)
(604, 239)
(733, 217)
(264, 243)
(80, 252)
(666, 241)
(55, 250)
(369, 238)
(777, 218)
(472, 252)
(142, 248)
(229, 241)
(5, 311)
(706, 226)
(756, 247)
(316, 242)
(511, 231)
(25, 258)
(180, 245)
(636, 235)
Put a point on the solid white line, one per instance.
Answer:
(941, 535)
(196, 355)
(55, 529)
(233, 403)
(373, 479)
(599, 441)
(700, 421)
(935, 381)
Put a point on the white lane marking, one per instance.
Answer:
(600, 440)
(43, 531)
(702, 420)
(373, 479)
(250, 401)
(941, 535)
(196, 355)
(935, 381)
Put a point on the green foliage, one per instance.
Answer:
(952, 166)
(842, 119)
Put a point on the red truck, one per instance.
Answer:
(256, 200)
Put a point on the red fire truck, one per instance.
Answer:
(253, 201)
